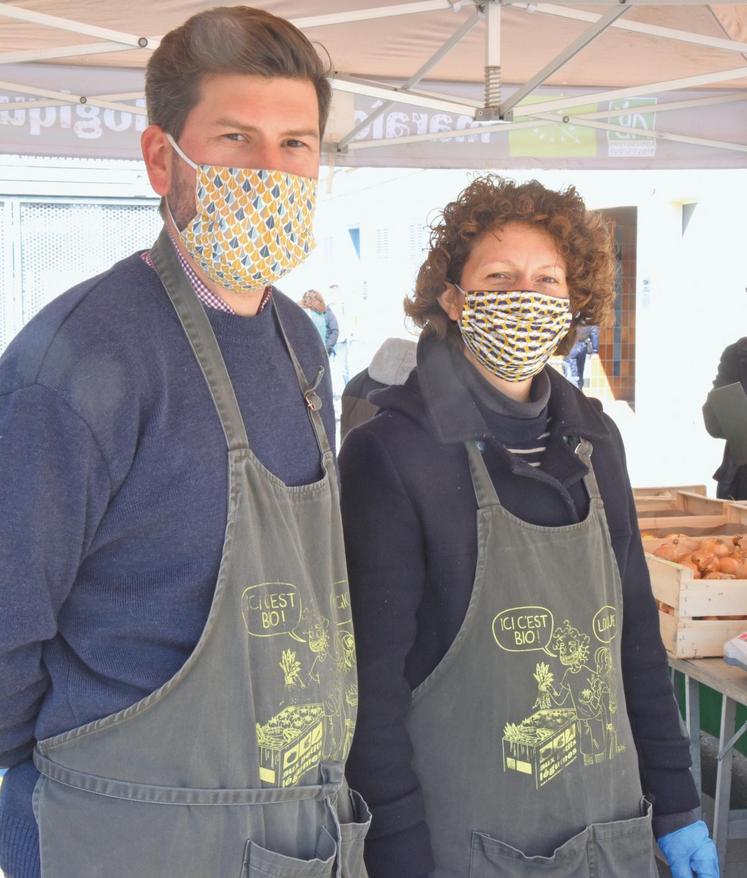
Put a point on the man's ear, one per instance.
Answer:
(452, 302)
(158, 157)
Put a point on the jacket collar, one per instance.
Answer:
(456, 417)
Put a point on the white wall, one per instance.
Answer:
(691, 296)
(691, 289)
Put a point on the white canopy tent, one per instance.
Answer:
(434, 83)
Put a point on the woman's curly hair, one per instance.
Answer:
(583, 238)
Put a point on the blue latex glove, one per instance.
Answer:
(690, 851)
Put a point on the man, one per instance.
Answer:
(176, 632)
(731, 477)
(586, 345)
(390, 366)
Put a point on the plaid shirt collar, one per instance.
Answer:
(203, 293)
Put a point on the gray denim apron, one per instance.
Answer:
(234, 767)
(521, 735)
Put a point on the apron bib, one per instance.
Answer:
(522, 742)
(234, 767)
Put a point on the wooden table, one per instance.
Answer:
(731, 682)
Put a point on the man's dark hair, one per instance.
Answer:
(227, 40)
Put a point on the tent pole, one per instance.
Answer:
(62, 52)
(632, 92)
(541, 123)
(453, 40)
(491, 110)
(583, 122)
(76, 26)
(368, 14)
(350, 84)
(41, 104)
(729, 98)
(72, 98)
(558, 61)
(640, 27)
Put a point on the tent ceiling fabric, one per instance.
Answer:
(393, 47)
(390, 49)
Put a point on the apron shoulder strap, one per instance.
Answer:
(584, 449)
(482, 483)
(309, 389)
(201, 338)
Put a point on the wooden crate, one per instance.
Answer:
(683, 635)
(691, 513)
(661, 499)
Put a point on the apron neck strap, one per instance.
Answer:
(584, 449)
(201, 339)
(485, 492)
(205, 347)
(485, 489)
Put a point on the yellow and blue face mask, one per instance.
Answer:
(252, 226)
(513, 333)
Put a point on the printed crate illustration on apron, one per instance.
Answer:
(575, 717)
(299, 734)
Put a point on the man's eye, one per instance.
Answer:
(235, 136)
(295, 144)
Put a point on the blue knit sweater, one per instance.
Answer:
(113, 498)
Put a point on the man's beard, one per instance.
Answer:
(181, 200)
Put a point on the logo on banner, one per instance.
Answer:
(551, 140)
(631, 144)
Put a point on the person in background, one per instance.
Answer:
(345, 311)
(322, 317)
(731, 479)
(177, 667)
(585, 345)
(516, 713)
(391, 365)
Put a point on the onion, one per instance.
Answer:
(707, 562)
(687, 561)
(728, 565)
(665, 551)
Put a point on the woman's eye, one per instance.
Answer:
(549, 280)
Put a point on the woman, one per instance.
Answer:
(322, 317)
(515, 706)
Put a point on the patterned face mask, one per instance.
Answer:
(513, 334)
(251, 227)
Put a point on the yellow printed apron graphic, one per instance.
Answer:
(300, 735)
(575, 710)
(290, 744)
(271, 608)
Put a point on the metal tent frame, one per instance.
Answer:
(494, 113)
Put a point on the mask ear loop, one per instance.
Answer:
(179, 152)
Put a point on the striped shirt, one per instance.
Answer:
(202, 291)
(522, 428)
(532, 451)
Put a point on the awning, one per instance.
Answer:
(435, 83)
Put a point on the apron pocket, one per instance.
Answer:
(352, 837)
(490, 858)
(624, 847)
(261, 863)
